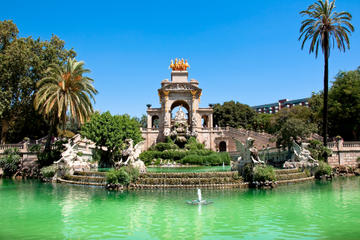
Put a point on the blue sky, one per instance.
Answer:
(246, 51)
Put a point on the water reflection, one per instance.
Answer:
(302, 211)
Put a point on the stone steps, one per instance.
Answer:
(214, 186)
(291, 176)
(286, 171)
(188, 181)
(80, 183)
(232, 174)
(90, 174)
(88, 179)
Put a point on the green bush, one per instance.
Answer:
(162, 146)
(322, 169)
(124, 175)
(193, 144)
(10, 162)
(318, 150)
(264, 173)
(49, 171)
(35, 148)
(47, 157)
(247, 172)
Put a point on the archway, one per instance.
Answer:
(205, 121)
(155, 121)
(222, 146)
(176, 106)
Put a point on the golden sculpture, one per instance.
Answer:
(179, 65)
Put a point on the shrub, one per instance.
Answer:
(47, 158)
(247, 172)
(9, 163)
(164, 146)
(193, 144)
(318, 150)
(35, 148)
(322, 169)
(264, 173)
(49, 171)
(124, 175)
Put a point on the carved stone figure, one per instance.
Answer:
(133, 156)
(301, 157)
(70, 160)
(248, 155)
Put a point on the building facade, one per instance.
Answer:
(272, 108)
(180, 116)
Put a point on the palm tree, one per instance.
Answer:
(325, 28)
(65, 91)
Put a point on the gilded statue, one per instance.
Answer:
(179, 65)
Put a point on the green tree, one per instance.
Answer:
(23, 62)
(111, 132)
(234, 114)
(291, 123)
(325, 28)
(344, 105)
(64, 90)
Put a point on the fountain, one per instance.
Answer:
(199, 201)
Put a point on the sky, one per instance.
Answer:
(246, 51)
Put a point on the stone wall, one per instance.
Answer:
(344, 153)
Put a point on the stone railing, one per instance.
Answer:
(344, 153)
(3, 147)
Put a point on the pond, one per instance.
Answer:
(315, 210)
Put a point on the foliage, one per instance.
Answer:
(9, 163)
(262, 122)
(247, 172)
(36, 148)
(344, 105)
(111, 132)
(124, 175)
(162, 146)
(233, 114)
(193, 144)
(49, 171)
(47, 157)
(292, 129)
(318, 150)
(322, 169)
(64, 90)
(264, 173)
(212, 159)
(23, 62)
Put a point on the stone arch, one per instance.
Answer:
(204, 121)
(222, 146)
(155, 121)
(183, 104)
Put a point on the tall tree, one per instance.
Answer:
(111, 132)
(344, 105)
(234, 114)
(325, 28)
(23, 62)
(65, 90)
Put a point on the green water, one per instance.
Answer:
(33, 210)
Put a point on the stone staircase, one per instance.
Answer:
(218, 180)
(85, 178)
(261, 139)
(190, 180)
(286, 176)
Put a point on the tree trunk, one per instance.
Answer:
(326, 88)
(50, 135)
(4, 130)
